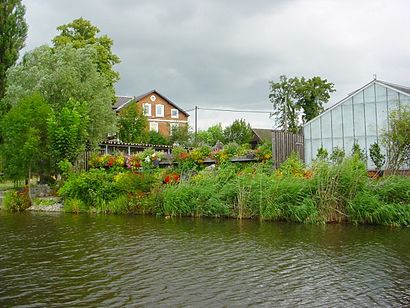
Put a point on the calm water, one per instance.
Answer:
(80, 260)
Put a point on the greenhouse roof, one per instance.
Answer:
(399, 88)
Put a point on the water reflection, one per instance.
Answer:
(72, 260)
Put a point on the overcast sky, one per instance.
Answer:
(222, 53)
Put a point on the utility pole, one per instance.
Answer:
(196, 120)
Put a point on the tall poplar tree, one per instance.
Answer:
(13, 32)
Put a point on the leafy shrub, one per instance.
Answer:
(292, 166)
(17, 201)
(93, 187)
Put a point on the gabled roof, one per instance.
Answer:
(122, 101)
(401, 89)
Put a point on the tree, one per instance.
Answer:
(13, 32)
(61, 74)
(67, 132)
(81, 33)
(180, 135)
(156, 138)
(282, 96)
(211, 136)
(377, 156)
(132, 124)
(239, 131)
(297, 98)
(24, 130)
(397, 139)
(311, 94)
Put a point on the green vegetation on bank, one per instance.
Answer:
(328, 192)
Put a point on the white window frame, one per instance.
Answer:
(148, 111)
(176, 116)
(153, 126)
(171, 126)
(161, 108)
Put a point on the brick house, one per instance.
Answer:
(162, 113)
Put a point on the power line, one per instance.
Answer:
(231, 110)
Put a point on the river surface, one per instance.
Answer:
(64, 260)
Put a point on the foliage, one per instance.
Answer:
(376, 156)
(93, 187)
(132, 125)
(17, 201)
(61, 74)
(322, 153)
(337, 155)
(81, 33)
(24, 130)
(292, 166)
(356, 150)
(397, 139)
(157, 138)
(74, 205)
(67, 131)
(311, 94)
(285, 110)
(211, 136)
(295, 97)
(180, 135)
(13, 32)
(393, 189)
(239, 131)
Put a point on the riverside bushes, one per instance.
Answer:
(337, 191)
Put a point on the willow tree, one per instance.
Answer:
(60, 74)
(13, 32)
(81, 33)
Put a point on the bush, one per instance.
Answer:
(93, 187)
(17, 201)
(393, 189)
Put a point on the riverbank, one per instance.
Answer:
(328, 192)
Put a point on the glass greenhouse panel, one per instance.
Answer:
(308, 153)
(393, 100)
(369, 96)
(347, 119)
(315, 129)
(371, 119)
(306, 132)
(337, 143)
(326, 125)
(328, 144)
(349, 141)
(359, 128)
(316, 144)
(381, 116)
(404, 100)
(381, 94)
(358, 98)
(337, 125)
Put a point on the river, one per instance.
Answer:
(65, 260)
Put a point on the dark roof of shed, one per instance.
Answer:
(122, 101)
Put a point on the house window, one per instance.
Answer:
(146, 108)
(172, 126)
(153, 126)
(159, 112)
(174, 113)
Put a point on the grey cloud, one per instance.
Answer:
(223, 53)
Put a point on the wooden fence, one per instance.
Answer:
(283, 144)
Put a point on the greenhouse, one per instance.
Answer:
(359, 118)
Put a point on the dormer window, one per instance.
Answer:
(159, 111)
(174, 113)
(146, 108)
